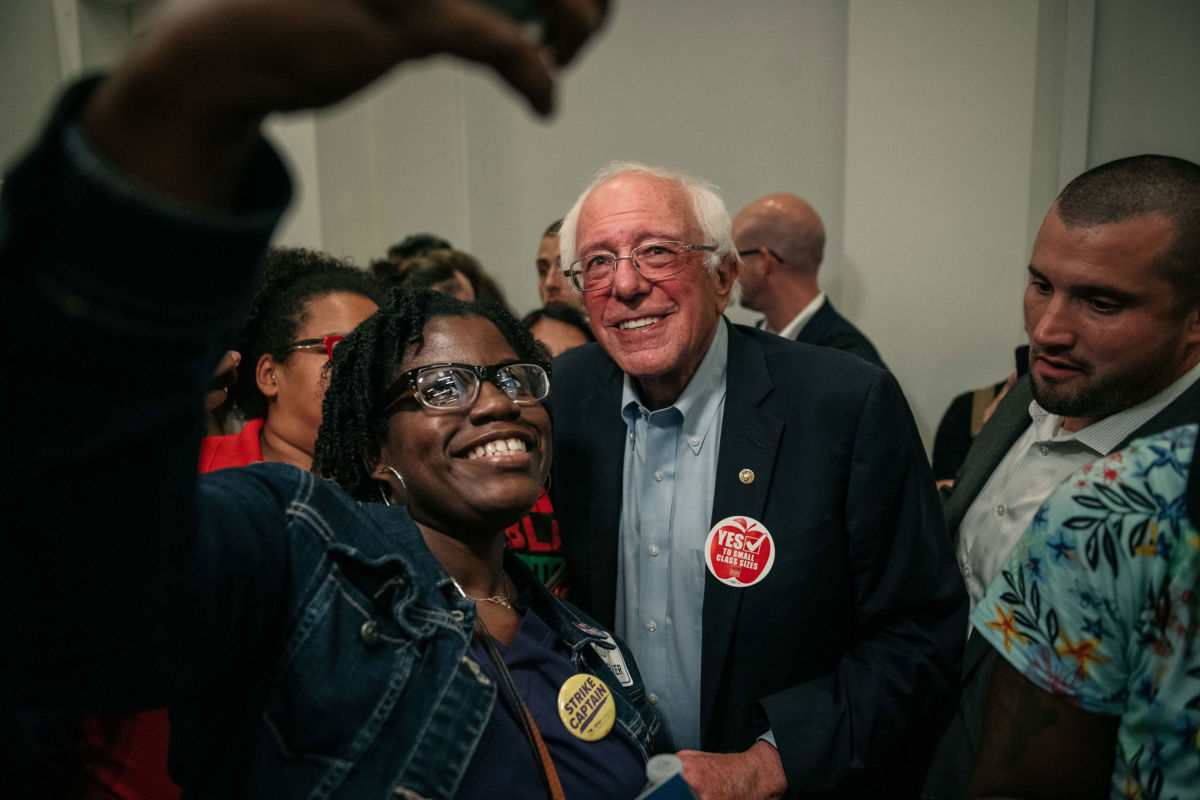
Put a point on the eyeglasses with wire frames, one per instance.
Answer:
(325, 343)
(758, 250)
(453, 388)
(653, 260)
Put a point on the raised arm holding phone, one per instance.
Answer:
(123, 584)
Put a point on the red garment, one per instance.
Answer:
(234, 450)
(126, 757)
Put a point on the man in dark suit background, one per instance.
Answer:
(781, 240)
(1112, 311)
(833, 670)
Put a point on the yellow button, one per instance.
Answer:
(586, 707)
(746, 476)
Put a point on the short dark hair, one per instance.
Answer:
(559, 312)
(353, 427)
(485, 286)
(1136, 186)
(292, 276)
(553, 229)
(417, 244)
(423, 273)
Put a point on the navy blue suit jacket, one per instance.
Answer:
(828, 328)
(847, 651)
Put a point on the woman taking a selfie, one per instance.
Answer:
(436, 405)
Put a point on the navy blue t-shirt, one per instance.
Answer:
(504, 765)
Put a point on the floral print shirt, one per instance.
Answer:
(1098, 603)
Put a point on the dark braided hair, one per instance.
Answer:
(365, 365)
(292, 276)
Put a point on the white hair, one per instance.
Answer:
(707, 206)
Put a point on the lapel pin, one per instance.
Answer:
(746, 476)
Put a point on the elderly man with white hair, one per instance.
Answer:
(755, 516)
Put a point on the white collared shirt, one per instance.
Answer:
(793, 328)
(1039, 461)
(669, 478)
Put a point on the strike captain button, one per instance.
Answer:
(1001, 510)
(586, 707)
(652, 626)
(653, 550)
(658, 476)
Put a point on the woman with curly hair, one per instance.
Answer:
(436, 405)
(305, 305)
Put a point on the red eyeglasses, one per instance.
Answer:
(326, 343)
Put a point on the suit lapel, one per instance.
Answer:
(1183, 410)
(814, 330)
(603, 411)
(1009, 421)
(749, 440)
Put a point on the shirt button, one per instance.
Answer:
(1001, 510)
(369, 633)
(695, 440)
(652, 698)
(654, 550)
(631, 436)
(658, 476)
(652, 626)
(966, 570)
(1043, 450)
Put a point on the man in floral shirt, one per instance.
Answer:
(1098, 607)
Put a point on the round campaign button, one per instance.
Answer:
(586, 707)
(739, 551)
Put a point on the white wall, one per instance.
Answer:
(29, 75)
(930, 134)
(1146, 80)
(938, 153)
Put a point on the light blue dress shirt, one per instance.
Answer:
(666, 504)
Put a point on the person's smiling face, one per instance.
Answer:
(659, 332)
(476, 471)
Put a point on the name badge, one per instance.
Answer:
(609, 653)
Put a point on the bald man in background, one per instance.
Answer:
(781, 240)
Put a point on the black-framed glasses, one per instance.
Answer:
(325, 343)
(453, 388)
(756, 250)
(654, 260)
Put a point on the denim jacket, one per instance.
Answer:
(369, 685)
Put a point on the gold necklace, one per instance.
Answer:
(500, 600)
